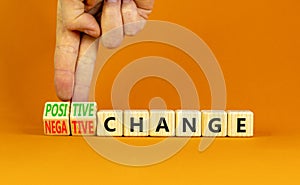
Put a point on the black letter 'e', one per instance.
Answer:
(239, 124)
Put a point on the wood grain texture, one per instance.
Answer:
(110, 123)
(214, 123)
(56, 118)
(136, 123)
(188, 123)
(240, 123)
(83, 118)
(162, 123)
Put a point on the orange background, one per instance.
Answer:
(257, 45)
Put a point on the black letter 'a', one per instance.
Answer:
(162, 124)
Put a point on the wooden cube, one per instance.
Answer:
(136, 123)
(214, 123)
(83, 118)
(188, 123)
(110, 123)
(56, 118)
(240, 123)
(162, 123)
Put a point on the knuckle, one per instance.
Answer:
(68, 24)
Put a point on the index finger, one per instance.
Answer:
(71, 20)
(66, 52)
(85, 68)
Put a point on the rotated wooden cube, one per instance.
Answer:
(83, 118)
(56, 118)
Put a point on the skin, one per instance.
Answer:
(80, 22)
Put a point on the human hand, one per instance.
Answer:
(79, 23)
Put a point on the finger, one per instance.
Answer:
(70, 19)
(96, 9)
(91, 4)
(85, 23)
(144, 7)
(133, 22)
(145, 4)
(85, 68)
(112, 24)
(67, 44)
(76, 19)
(86, 62)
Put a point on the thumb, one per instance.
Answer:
(85, 23)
